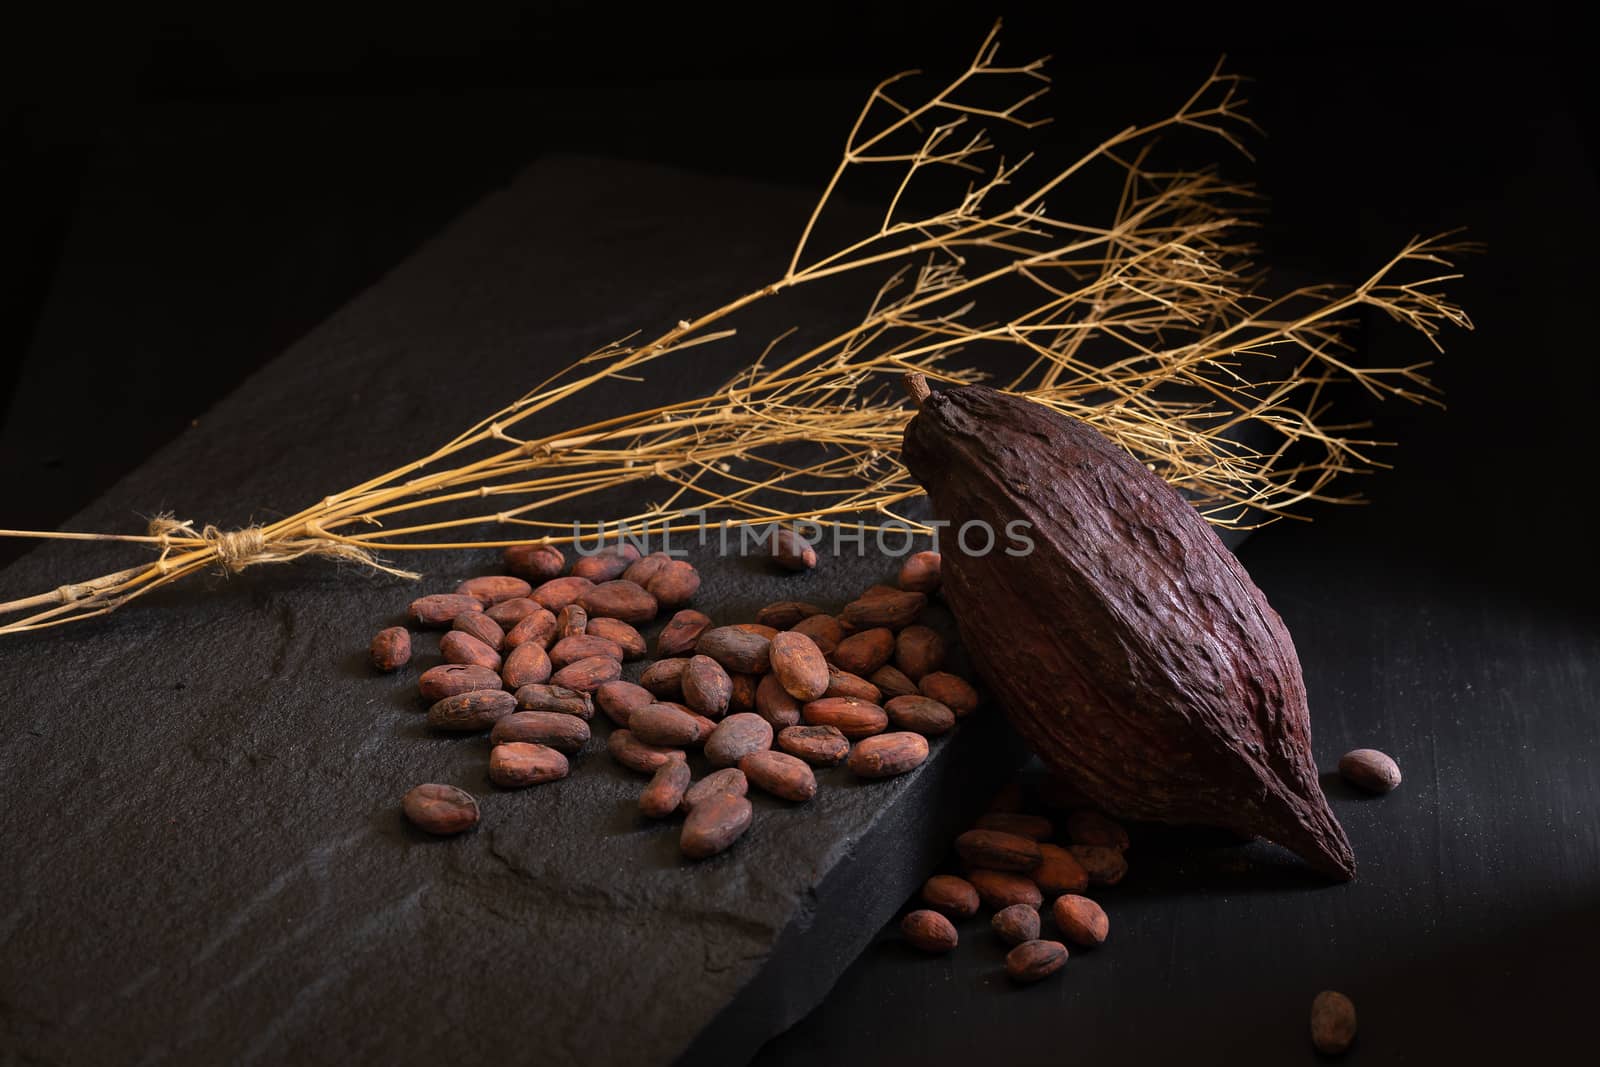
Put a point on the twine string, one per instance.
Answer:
(249, 546)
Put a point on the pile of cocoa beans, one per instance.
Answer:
(532, 653)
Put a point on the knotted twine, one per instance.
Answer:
(251, 545)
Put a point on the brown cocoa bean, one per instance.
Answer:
(929, 931)
(620, 600)
(557, 593)
(1036, 827)
(853, 718)
(743, 697)
(1058, 871)
(494, 588)
(449, 679)
(564, 733)
(440, 809)
(572, 621)
(664, 794)
(477, 624)
(864, 652)
(1001, 889)
(606, 564)
(706, 686)
(1032, 961)
(785, 613)
(780, 774)
(508, 613)
(630, 640)
(440, 609)
(527, 664)
(878, 589)
(736, 649)
(706, 725)
(920, 714)
(893, 608)
(728, 780)
(463, 648)
(774, 703)
(637, 755)
(918, 651)
(640, 571)
(536, 563)
(820, 746)
(582, 646)
(1016, 923)
(920, 572)
(675, 584)
(587, 675)
(998, 851)
(823, 629)
(791, 551)
(757, 628)
(677, 638)
(736, 737)
(619, 700)
(538, 627)
(1081, 920)
(1104, 866)
(951, 895)
(714, 823)
(391, 648)
(1333, 1022)
(1369, 769)
(664, 725)
(1087, 827)
(557, 699)
(891, 683)
(517, 764)
(799, 665)
(887, 755)
(467, 712)
(951, 691)
(844, 684)
(664, 678)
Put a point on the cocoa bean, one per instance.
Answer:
(587, 675)
(572, 621)
(449, 679)
(791, 551)
(508, 613)
(706, 686)
(1086, 827)
(1001, 889)
(391, 648)
(641, 571)
(864, 652)
(677, 638)
(891, 683)
(582, 646)
(1059, 871)
(557, 699)
(918, 651)
(606, 564)
(854, 718)
(736, 737)
(951, 691)
(527, 664)
(463, 648)
(893, 608)
(630, 640)
(538, 627)
(1081, 920)
(440, 609)
(467, 712)
(929, 931)
(665, 792)
(714, 823)
(820, 746)
(536, 563)
(1036, 827)
(664, 678)
(1104, 866)
(759, 629)
(619, 600)
(951, 895)
(518, 764)
(440, 809)
(728, 780)
(799, 666)
(675, 584)
(706, 725)
(564, 733)
(619, 700)
(920, 572)
(785, 613)
(774, 703)
(998, 851)
(557, 593)
(1016, 923)
(921, 714)
(494, 588)
(780, 774)
(1032, 961)
(1369, 769)
(485, 629)
(844, 684)
(736, 649)
(1333, 1022)
(664, 725)
(823, 629)
(743, 697)
(887, 755)
(637, 755)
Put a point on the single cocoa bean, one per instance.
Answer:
(675, 584)
(538, 627)
(823, 629)
(619, 700)
(878, 589)
(1081, 920)
(951, 895)
(664, 725)
(1088, 827)
(791, 551)
(892, 682)
(757, 628)
(785, 613)
(736, 649)
(706, 686)
(864, 652)
(391, 648)
(998, 851)
(1104, 866)
(527, 664)
(555, 698)
(844, 684)
(921, 714)
(494, 588)
(564, 733)
(736, 737)
(1036, 827)
(678, 637)
(582, 646)
(620, 600)
(606, 564)
(743, 696)
(440, 609)
(1001, 889)
(518, 764)
(630, 640)
(637, 755)
(1032, 961)
(1059, 871)
(449, 679)
(728, 780)
(459, 647)
(508, 613)
(780, 774)
(1016, 923)
(440, 809)
(485, 629)
(572, 621)
(854, 718)
(664, 678)
(641, 571)
(1369, 769)
(1333, 1022)
(536, 563)
(918, 651)
(887, 755)
(664, 794)
(893, 608)
(951, 691)
(774, 703)
(715, 822)
(557, 593)
(467, 712)
(929, 931)
(587, 675)
(820, 746)
(920, 572)
(799, 665)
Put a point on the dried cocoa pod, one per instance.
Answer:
(1082, 921)
(714, 823)
(1128, 627)
(1058, 871)
(459, 647)
(780, 774)
(536, 563)
(664, 678)
(1333, 1022)
(736, 737)
(951, 895)
(641, 571)
(998, 851)
(1036, 827)
(619, 600)
(527, 664)
(774, 703)
(791, 551)
(494, 588)
(587, 675)
(572, 621)
(440, 609)
(920, 714)
(820, 746)
(728, 780)
(891, 682)
(664, 794)
(557, 593)
(564, 733)
(508, 613)
(664, 725)
(864, 652)
(675, 584)
(538, 627)
(842, 683)
(736, 649)
(929, 931)
(706, 686)
(887, 755)
(619, 700)
(853, 718)
(823, 629)
(518, 764)
(799, 665)
(920, 572)
(1032, 961)
(678, 637)
(918, 651)
(951, 691)
(391, 648)
(630, 640)
(606, 564)
(893, 608)
(582, 646)
(743, 696)
(1104, 866)
(557, 699)
(1369, 769)
(1001, 889)
(1015, 924)
(637, 755)
(468, 712)
(1087, 827)
(785, 613)
(440, 809)
(449, 679)
(477, 624)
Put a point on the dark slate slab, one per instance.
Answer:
(204, 856)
